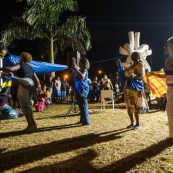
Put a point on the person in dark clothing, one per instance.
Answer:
(63, 89)
(26, 86)
(96, 90)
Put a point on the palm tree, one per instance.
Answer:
(43, 19)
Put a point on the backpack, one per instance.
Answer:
(7, 112)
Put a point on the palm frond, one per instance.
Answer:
(42, 20)
(18, 30)
(75, 27)
(48, 12)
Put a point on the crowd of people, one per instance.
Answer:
(57, 90)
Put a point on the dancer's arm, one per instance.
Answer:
(81, 73)
(37, 80)
(10, 68)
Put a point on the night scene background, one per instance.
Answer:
(109, 23)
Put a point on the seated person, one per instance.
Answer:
(44, 95)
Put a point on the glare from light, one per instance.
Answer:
(100, 72)
(66, 76)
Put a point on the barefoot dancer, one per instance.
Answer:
(135, 99)
(25, 86)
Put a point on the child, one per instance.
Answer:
(44, 95)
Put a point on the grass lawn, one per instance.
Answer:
(62, 146)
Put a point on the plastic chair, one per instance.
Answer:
(106, 98)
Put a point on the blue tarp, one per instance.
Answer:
(38, 66)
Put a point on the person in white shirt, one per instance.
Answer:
(58, 89)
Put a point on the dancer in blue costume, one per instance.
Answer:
(81, 87)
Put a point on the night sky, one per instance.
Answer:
(109, 23)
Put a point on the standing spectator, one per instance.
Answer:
(54, 91)
(101, 87)
(63, 89)
(71, 94)
(107, 84)
(25, 92)
(81, 88)
(134, 90)
(101, 83)
(117, 80)
(96, 90)
(169, 80)
(117, 84)
(147, 92)
(67, 90)
(117, 89)
(58, 89)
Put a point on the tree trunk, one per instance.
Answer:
(52, 56)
